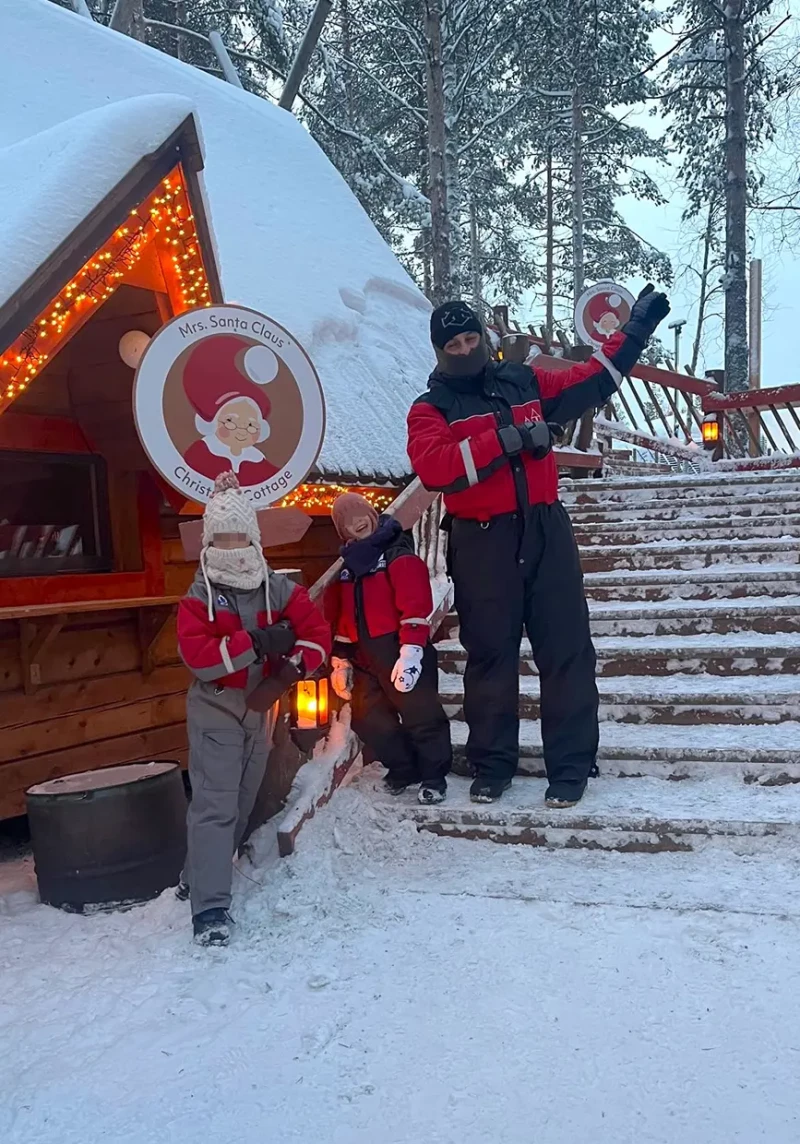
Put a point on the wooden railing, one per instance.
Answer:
(758, 422)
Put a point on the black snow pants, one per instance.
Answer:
(512, 573)
(407, 731)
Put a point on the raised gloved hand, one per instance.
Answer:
(534, 437)
(649, 309)
(342, 678)
(408, 669)
(277, 639)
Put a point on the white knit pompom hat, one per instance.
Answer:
(230, 510)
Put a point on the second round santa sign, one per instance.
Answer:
(228, 388)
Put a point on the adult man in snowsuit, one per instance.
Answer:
(480, 436)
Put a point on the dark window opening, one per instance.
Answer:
(53, 514)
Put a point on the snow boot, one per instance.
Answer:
(182, 890)
(397, 783)
(487, 789)
(562, 796)
(212, 927)
(430, 793)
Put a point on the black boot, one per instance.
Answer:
(212, 927)
(487, 789)
(561, 796)
(396, 782)
(432, 791)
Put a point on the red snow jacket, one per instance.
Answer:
(221, 651)
(394, 597)
(452, 429)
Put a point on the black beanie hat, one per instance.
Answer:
(452, 319)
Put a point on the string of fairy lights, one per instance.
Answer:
(317, 500)
(164, 218)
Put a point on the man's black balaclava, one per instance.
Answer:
(447, 322)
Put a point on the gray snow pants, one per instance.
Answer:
(228, 749)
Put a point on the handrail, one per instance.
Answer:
(757, 422)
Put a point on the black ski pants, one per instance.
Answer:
(512, 573)
(407, 731)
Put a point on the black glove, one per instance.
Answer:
(265, 694)
(649, 309)
(534, 437)
(279, 639)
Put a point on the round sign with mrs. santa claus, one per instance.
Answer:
(600, 311)
(224, 388)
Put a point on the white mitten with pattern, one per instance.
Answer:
(408, 669)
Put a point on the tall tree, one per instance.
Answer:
(719, 93)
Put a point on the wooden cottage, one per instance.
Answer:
(134, 188)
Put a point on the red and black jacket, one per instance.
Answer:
(394, 597)
(453, 443)
(220, 651)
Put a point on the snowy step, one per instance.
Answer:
(672, 699)
(739, 653)
(682, 555)
(679, 486)
(752, 742)
(647, 532)
(642, 816)
(757, 614)
(697, 508)
(736, 582)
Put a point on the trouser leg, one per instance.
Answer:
(216, 763)
(557, 621)
(424, 721)
(489, 601)
(257, 752)
(377, 724)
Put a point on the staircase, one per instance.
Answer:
(693, 584)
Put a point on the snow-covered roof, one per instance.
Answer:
(290, 238)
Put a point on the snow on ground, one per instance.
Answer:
(394, 986)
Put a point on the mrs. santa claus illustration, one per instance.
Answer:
(223, 379)
(605, 313)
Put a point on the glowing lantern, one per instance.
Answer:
(311, 704)
(710, 431)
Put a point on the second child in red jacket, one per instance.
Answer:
(383, 659)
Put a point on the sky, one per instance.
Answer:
(663, 227)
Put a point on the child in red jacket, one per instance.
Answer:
(382, 656)
(238, 624)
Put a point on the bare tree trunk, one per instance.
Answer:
(128, 18)
(181, 42)
(347, 50)
(578, 252)
(475, 258)
(549, 269)
(736, 363)
(441, 286)
(455, 205)
(708, 238)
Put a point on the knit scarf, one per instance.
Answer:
(361, 556)
(234, 567)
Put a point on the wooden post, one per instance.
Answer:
(304, 53)
(225, 62)
(754, 342)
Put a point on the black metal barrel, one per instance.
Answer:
(110, 836)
